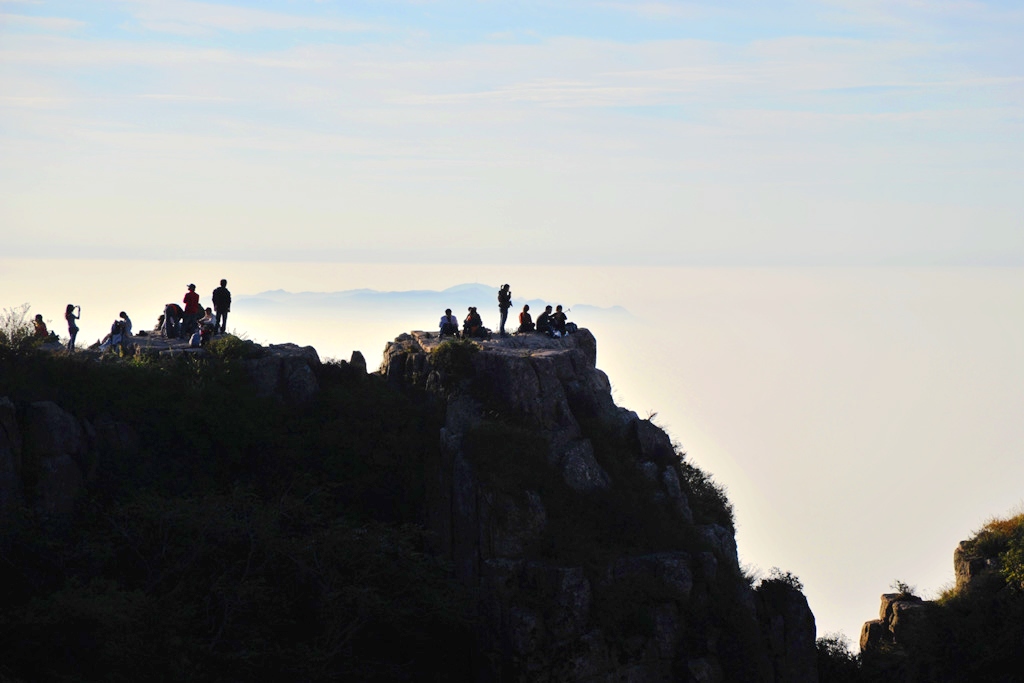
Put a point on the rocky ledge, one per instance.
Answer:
(534, 450)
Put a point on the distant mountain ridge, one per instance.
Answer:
(458, 298)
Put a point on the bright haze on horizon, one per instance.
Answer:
(313, 145)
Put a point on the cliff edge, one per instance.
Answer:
(598, 552)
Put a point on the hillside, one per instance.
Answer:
(471, 511)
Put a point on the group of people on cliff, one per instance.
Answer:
(553, 323)
(190, 322)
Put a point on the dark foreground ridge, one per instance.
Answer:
(473, 511)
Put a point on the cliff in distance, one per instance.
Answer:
(473, 511)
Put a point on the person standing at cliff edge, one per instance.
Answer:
(192, 311)
(69, 315)
(504, 303)
(222, 305)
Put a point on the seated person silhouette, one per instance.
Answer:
(449, 324)
(473, 325)
(526, 320)
(558, 322)
(544, 321)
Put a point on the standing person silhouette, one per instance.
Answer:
(69, 315)
(192, 310)
(222, 305)
(504, 303)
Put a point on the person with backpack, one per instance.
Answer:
(222, 305)
(504, 303)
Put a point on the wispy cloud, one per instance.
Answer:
(185, 17)
(42, 23)
(658, 10)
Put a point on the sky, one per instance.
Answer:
(817, 204)
(661, 133)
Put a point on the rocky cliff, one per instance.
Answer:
(597, 552)
(284, 518)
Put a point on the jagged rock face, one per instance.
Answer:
(974, 571)
(628, 615)
(785, 620)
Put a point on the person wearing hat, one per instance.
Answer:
(192, 311)
(504, 303)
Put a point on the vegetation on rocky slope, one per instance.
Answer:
(242, 539)
(974, 631)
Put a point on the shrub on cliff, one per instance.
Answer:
(229, 347)
(708, 498)
(453, 359)
(16, 331)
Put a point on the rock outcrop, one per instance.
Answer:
(534, 453)
(974, 632)
(287, 371)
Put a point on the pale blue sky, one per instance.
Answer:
(591, 132)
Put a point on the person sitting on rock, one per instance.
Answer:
(115, 338)
(127, 323)
(526, 320)
(558, 322)
(544, 321)
(449, 324)
(40, 327)
(207, 326)
(473, 325)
